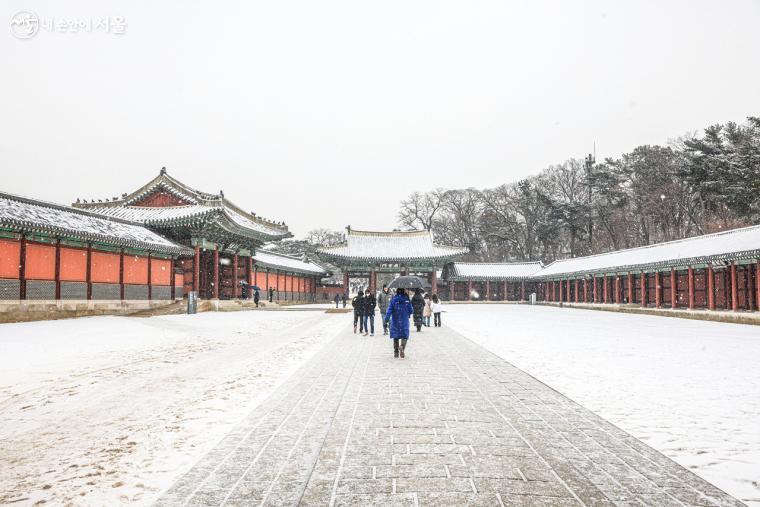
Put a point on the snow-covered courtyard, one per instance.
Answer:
(687, 388)
(110, 410)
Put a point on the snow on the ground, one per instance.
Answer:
(110, 410)
(690, 389)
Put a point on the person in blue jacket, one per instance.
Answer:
(398, 313)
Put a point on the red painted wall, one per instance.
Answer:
(135, 270)
(160, 272)
(10, 258)
(73, 265)
(40, 262)
(160, 199)
(105, 267)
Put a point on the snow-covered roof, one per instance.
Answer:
(28, 215)
(491, 270)
(287, 263)
(193, 205)
(722, 246)
(391, 246)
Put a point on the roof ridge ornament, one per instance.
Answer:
(163, 170)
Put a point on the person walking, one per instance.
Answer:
(437, 308)
(427, 311)
(418, 304)
(370, 303)
(336, 299)
(398, 313)
(256, 297)
(382, 302)
(271, 294)
(343, 299)
(358, 304)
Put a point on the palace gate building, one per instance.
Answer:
(376, 258)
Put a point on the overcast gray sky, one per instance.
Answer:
(328, 113)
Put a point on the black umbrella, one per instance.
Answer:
(406, 282)
(255, 287)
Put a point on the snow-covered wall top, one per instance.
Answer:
(287, 263)
(722, 246)
(27, 215)
(396, 245)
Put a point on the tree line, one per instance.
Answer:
(696, 185)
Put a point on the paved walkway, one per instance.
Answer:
(451, 424)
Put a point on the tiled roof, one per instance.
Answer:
(29, 215)
(200, 205)
(390, 246)
(287, 263)
(722, 246)
(491, 270)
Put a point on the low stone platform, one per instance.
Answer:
(451, 424)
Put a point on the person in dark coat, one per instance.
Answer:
(398, 313)
(358, 304)
(256, 297)
(336, 299)
(343, 299)
(271, 294)
(370, 303)
(418, 304)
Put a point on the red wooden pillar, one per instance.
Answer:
(734, 289)
(749, 287)
(550, 294)
(757, 283)
(605, 294)
(710, 287)
(58, 268)
(522, 290)
(617, 288)
(469, 290)
(568, 296)
(596, 292)
(506, 290)
(22, 269)
(249, 275)
(561, 295)
(575, 282)
(691, 288)
(266, 280)
(234, 276)
(197, 269)
(644, 290)
(657, 289)
(585, 290)
(433, 281)
(121, 274)
(631, 291)
(172, 280)
(150, 272)
(488, 290)
(673, 288)
(345, 282)
(215, 292)
(88, 271)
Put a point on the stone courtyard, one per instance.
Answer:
(452, 424)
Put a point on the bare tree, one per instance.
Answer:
(418, 211)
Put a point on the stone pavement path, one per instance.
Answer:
(450, 424)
